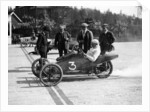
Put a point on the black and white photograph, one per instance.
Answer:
(75, 54)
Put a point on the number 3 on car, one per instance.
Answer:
(72, 66)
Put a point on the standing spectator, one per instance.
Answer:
(85, 37)
(14, 39)
(42, 42)
(18, 39)
(62, 40)
(33, 36)
(106, 39)
(33, 39)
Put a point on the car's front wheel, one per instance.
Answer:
(51, 74)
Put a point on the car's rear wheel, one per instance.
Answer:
(51, 74)
(36, 67)
(104, 73)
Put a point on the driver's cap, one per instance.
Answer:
(84, 24)
(95, 41)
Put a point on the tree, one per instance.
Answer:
(52, 16)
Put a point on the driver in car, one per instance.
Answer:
(94, 52)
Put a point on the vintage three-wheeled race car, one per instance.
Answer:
(74, 62)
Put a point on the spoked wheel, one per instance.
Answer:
(106, 73)
(51, 74)
(36, 67)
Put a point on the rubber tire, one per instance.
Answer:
(33, 64)
(109, 63)
(52, 84)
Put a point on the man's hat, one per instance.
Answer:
(63, 26)
(84, 24)
(105, 25)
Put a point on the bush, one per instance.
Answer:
(23, 31)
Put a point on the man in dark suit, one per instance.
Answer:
(106, 39)
(85, 37)
(62, 41)
(42, 42)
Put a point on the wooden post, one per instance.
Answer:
(10, 30)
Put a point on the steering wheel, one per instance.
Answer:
(75, 47)
(78, 49)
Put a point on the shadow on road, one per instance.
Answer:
(30, 81)
(18, 71)
(77, 78)
(86, 78)
(23, 67)
(35, 82)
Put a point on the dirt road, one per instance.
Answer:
(123, 87)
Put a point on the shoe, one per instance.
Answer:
(91, 73)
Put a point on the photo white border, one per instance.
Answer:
(4, 58)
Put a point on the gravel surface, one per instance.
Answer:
(123, 87)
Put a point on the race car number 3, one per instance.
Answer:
(72, 65)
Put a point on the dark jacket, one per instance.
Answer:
(85, 42)
(42, 42)
(62, 39)
(106, 41)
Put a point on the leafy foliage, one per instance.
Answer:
(124, 27)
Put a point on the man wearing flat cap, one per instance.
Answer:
(106, 39)
(62, 41)
(85, 37)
